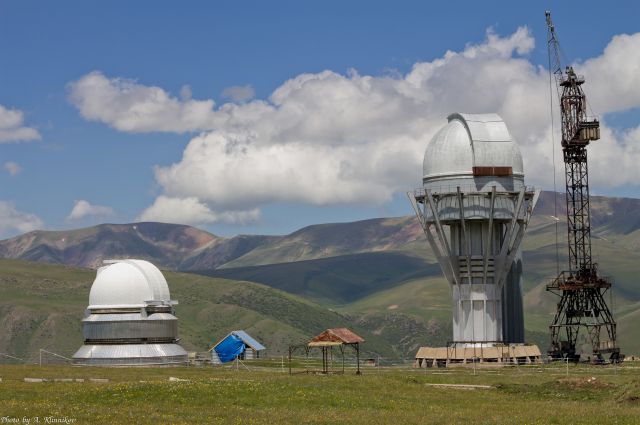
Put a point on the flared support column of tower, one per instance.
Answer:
(476, 237)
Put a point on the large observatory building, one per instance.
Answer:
(474, 208)
(130, 318)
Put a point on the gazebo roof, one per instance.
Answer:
(337, 336)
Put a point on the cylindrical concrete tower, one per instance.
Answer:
(474, 209)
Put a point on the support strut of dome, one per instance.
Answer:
(476, 250)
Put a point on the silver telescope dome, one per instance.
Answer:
(128, 283)
(468, 144)
(130, 319)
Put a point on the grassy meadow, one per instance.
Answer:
(523, 395)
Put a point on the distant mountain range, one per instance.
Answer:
(170, 246)
(378, 273)
(185, 248)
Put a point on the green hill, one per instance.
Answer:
(379, 274)
(41, 306)
(335, 280)
(375, 288)
(333, 240)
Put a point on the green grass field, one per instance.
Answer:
(523, 395)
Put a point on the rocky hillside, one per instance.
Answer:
(171, 246)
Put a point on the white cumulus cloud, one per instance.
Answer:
(12, 129)
(13, 168)
(12, 220)
(239, 93)
(193, 212)
(82, 209)
(129, 106)
(614, 77)
(329, 138)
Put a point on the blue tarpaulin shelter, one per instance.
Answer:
(229, 348)
(234, 345)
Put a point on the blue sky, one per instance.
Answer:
(80, 73)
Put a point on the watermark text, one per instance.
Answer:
(37, 420)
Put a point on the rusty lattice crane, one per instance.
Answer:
(582, 304)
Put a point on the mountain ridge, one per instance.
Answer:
(168, 245)
(185, 248)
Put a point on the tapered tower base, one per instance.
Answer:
(582, 307)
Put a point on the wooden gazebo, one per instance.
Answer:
(338, 337)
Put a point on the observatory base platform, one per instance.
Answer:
(498, 355)
(131, 355)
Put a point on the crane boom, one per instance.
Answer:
(554, 51)
(581, 289)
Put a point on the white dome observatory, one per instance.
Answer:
(130, 318)
(474, 209)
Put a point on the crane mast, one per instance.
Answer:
(580, 288)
